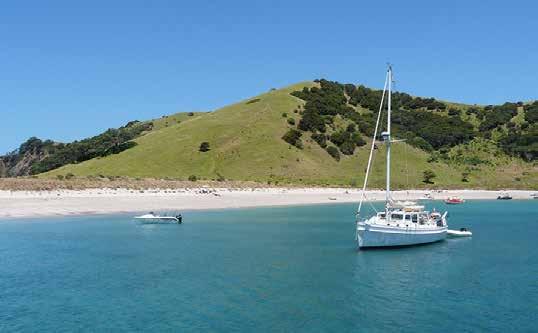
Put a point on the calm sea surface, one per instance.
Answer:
(268, 269)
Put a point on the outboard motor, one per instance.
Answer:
(179, 219)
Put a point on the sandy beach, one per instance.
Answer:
(16, 204)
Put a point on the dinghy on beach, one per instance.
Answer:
(504, 196)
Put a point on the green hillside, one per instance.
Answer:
(245, 143)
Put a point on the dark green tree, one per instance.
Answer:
(293, 137)
(333, 151)
(321, 139)
(347, 148)
(204, 146)
(428, 176)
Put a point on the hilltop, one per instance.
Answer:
(318, 133)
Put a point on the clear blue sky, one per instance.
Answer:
(70, 69)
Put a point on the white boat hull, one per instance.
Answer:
(154, 219)
(387, 236)
(158, 221)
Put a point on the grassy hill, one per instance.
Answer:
(246, 144)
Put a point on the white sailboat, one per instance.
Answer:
(401, 223)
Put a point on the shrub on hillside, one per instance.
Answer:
(420, 143)
(347, 141)
(531, 113)
(255, 100)
(193, 178)
(347, 148)
(428, 176)
(357, 139)
(453, 112)
(338, 138)
(291, 121)
(321, 139)
(333, 151)
(204, 146)
(293, 137)
(472, 110)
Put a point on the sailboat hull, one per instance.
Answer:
(385, 236)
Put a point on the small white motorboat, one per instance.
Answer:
(463, 232)
(153, 218)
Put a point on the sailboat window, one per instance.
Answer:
(397, 216)
(414, 218)
(407, 217)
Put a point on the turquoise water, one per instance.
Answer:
(292, 269)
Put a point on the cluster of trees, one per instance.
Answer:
(531, 113)
(495, 116)
(112, 141)
(430, 131)
(425, 130)
(34, 146)
(322, 104)
(370, 99)
(518, 139)
(347, 140)
(19, 161)
(522, 143)
(522, 140)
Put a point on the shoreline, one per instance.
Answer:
(49, 203)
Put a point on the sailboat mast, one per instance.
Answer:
(387, 136)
